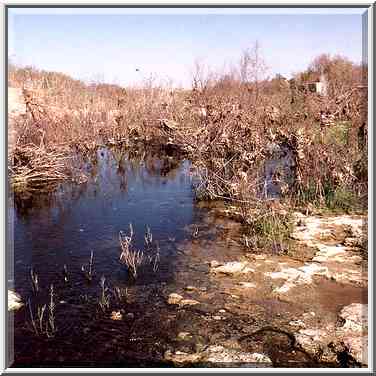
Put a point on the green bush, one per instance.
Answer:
(338, 133)
(341, 199)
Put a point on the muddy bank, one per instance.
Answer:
(212, 302)
(313, 295)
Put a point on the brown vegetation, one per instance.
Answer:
(228, 124)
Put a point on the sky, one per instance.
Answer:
(127, 46)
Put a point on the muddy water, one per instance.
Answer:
(138, 327)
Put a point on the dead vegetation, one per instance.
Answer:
(35, 167)
(230, 124)
(134, 258)
(44, 324)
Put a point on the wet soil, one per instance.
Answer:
(238, 312)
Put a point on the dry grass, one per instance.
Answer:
(35, 167)
(135, 258)
(225, 125)
(44, 324)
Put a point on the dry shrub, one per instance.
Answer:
(36, 167)
(237, 131)
(226, 124)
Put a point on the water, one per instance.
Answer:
(62, 228)
(79, 219)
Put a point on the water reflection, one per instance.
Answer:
(63, 227)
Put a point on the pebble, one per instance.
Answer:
(117, 316)
(184, 335)
(188, 302)
(174, 298)
(247, 284)
(191, 288)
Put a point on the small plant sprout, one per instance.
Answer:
(134, 261)
(120, 294)
(33, 322)
(34, 280)
(156, 259)
(50, 326)
(41, 310)
(65, 273)
(148, 238)
(104, 300)
(90, 271)
(133, 258)
(42, 324)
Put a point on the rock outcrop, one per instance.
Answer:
(348, 336)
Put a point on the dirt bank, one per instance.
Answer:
(296, 313)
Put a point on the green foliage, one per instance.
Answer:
(338, 133)
(334, 199)
(308, 195)
(269, 230)
(272, 223)
(341, 199)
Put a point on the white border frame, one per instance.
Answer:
(276, 4)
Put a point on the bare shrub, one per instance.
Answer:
(225, 125)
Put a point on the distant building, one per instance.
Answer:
(319, 87)
(323, 85)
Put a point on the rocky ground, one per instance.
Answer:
(278, 310)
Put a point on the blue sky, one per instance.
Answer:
(109, 45)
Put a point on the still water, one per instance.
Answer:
(64, 227)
